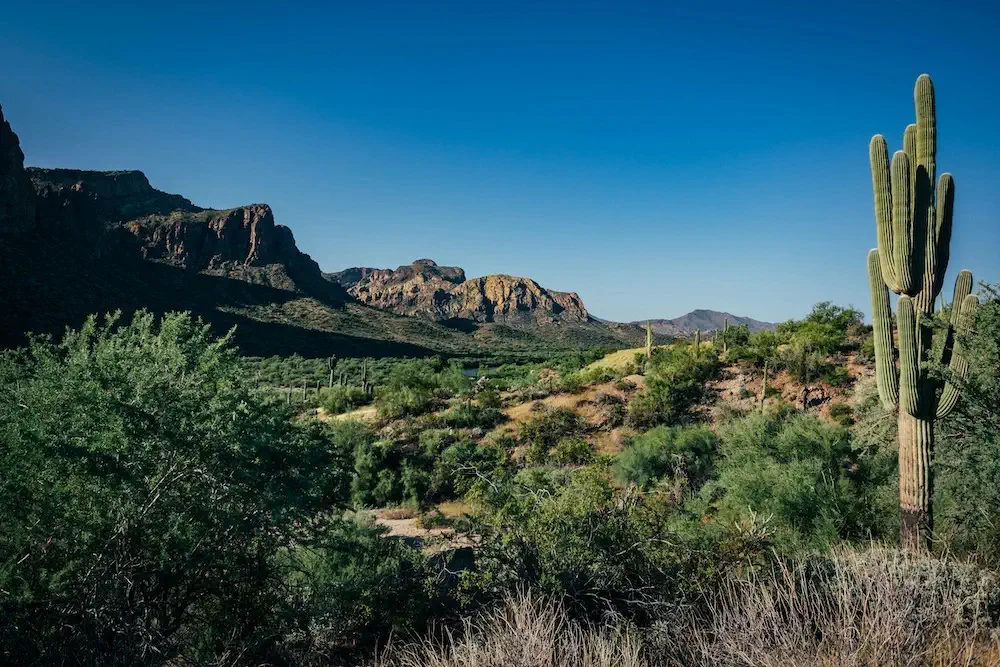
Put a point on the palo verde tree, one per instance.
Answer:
(913, 226)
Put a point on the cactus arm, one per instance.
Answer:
(909, 359)
(923, 100)
(959, 358)
(910, 142)
(885, 356)
(881, 185)
(902, 222)
(963, 288)
(942, 228)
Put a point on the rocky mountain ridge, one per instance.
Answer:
(442, 293)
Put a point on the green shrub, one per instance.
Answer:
(675, 384)
(806, 475)
(472, 415)
(543, 431)
(572, 451)
(354, 587)
(339, 399)
(842, 412)
(683, 453)
(147, 488)
(837, 376)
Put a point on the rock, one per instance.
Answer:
(444, 293)
(17, 196)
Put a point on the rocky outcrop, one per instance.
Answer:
(121, 213)
(443, 293)
(17, 197)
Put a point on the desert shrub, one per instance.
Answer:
(544, 430)
(625, 385)
(806, 475)
(734, 338)
(339, 399)
(472, 415)
(572, 451)
(579, 538)
(967, 451)
(376, 475)
(825, 329)
(147, 489)
(683, 453)
(843, 413)
(675, 384)
(488, 397)
(354, 587)
(837, 376)
(572, 383)
(761, 346)
(393, 403)
(462, 464)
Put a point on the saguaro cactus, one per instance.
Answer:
(913, 228)
(649, 340)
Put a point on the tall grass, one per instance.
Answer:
(848, 608)
(525, 631)
(876, 606)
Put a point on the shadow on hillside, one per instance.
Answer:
(47, 292)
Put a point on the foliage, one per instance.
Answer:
(572, 451)
(343, 398)
(683, 453)
(675, 384)
(968, 455)
(544, 430)
(803, 473)
(141, 471)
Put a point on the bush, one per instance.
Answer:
(339, 399)
(684, 453)
(837, 376)
(147, 489)
(542, 432)
(675, 384)
(806, 475)
(572, 451)
(472, 415)
(355, 586)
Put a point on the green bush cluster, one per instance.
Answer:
(675, 384)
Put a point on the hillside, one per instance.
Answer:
(703, 320)
(75, 242)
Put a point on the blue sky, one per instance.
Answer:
(653, 158)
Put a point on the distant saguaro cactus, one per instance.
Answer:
(913, 228)
(725, 330)
(331, 365)
(649, 340)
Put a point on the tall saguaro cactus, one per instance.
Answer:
(913, 228)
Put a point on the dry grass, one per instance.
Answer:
(523, 632)
(398, 513)
(851, 608)
(859, 607)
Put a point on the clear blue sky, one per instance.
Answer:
(653, 158)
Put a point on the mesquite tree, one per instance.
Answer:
(913, 226)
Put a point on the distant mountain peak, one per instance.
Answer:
(704, 320)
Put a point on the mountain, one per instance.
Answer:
(443, 293)
(75, 242)
(703, 320)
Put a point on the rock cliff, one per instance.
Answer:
(444, 293)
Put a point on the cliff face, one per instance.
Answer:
(17, 197)
(443, 293)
